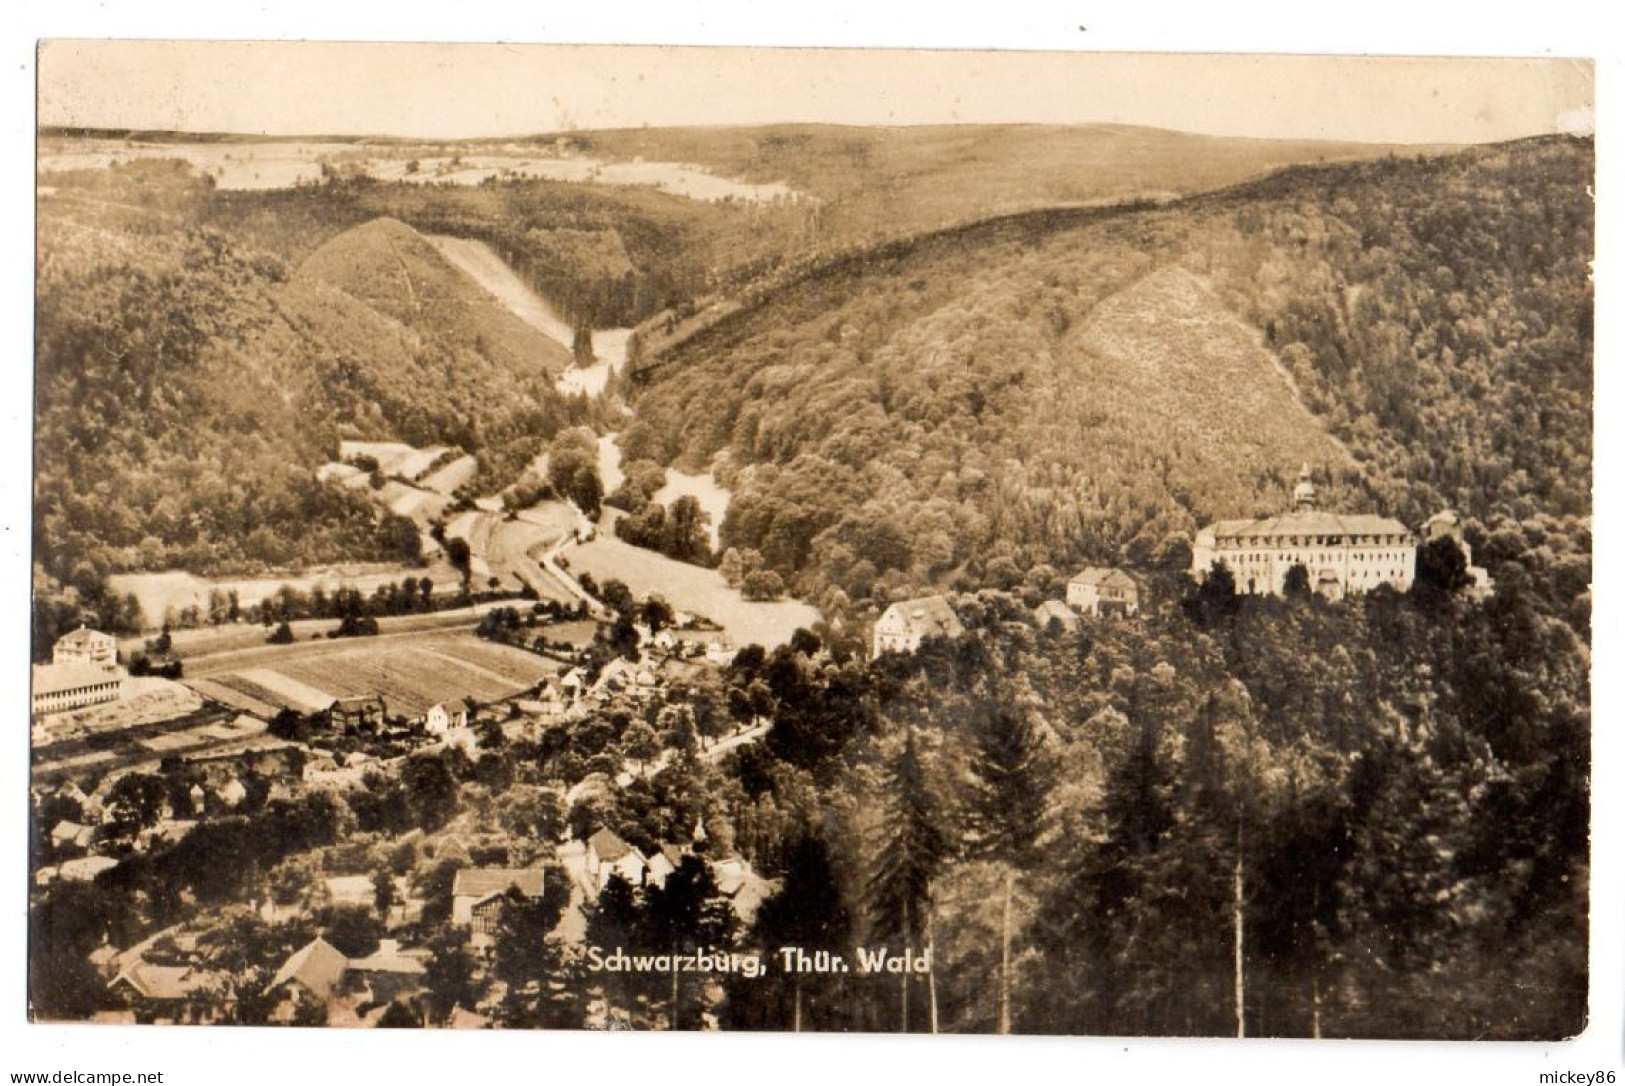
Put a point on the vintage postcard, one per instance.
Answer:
(538, 537)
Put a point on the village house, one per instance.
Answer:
(905, 624)
(86, 646)
(170, 994)
(387, 973)
(1054, 611)
(477, 894)
(439, 720)
(736, 879)
(86, 868)
(1103, 592)
(355, 891)
(1344, 554)
(312, 974)
(66, 835)
(607, 855)
(365, 712)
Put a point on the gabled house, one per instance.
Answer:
(663, 862)
(477, 894)
(365, 712)
(905, 624)
(86, 868)
(67, 834)
(1054, 612)
(451, 847)
(170, 993)
(1103, 591)
(86, 646)
(351, 890)
(608, 855)
(388, 973)
(441, 719)
(312, 974)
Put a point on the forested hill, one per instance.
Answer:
(188, 383)
(962, 412)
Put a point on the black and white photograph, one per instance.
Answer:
(545, 537)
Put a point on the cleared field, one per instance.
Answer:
(176, 590)
(412, 674)
(690, 588)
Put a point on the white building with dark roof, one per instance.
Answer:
(906, 623)
(1344, 553)
(86, 646)
(1103, 591)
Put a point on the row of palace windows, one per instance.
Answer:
(1386, 556)
(1232, 542)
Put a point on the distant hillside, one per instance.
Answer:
(881, 182)
(187, 384)
(397, 272)
(617, 254)
(962, 410)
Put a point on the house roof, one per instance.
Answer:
(1055, 609)
(1099, 576)
(317, 966)
(672, 853)
(350, 886)
(84, 638)
(53, 678)
(460, 1018)
(86, 867)
(451, 847)
(608, 846)
(928, 616)
(389, 958)
(165, 981)
(68, 831)
(739, 882)
(1309, 522)
(484, 882)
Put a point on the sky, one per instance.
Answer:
(470, 90)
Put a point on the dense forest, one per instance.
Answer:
(1284, 817)
(982, 411)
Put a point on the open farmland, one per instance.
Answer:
(172, 591)
(691, 588)
(412, 673)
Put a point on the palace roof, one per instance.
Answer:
(1311, 522)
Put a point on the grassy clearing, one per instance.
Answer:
(691, 588)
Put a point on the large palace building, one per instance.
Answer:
(1343, 552)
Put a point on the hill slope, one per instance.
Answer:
(1071, 388)
(187, 385)
(391, 268)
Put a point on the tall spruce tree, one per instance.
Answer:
(1010, 808)
(914, 846)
